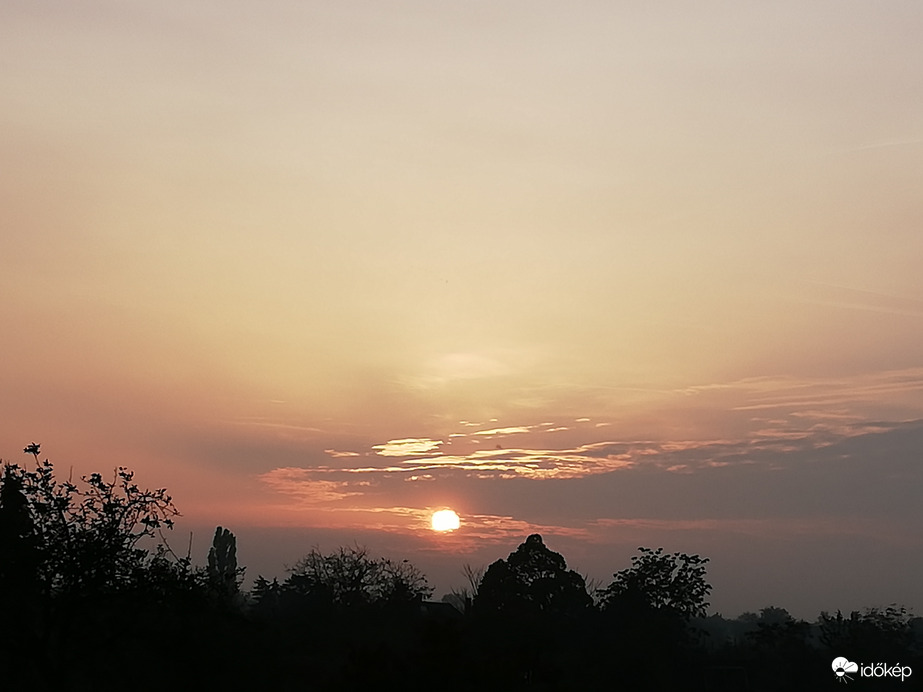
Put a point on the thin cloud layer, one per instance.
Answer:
(407, 446)
(780, 457)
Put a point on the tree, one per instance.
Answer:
(670, 583)
(265, 594)
(19, 562)
(85, 539)
(351, 577)
(773, 615)
(18, 549)
(532, 579)
(872, 634)
(77, 577)
(463, 598)
(222, 572)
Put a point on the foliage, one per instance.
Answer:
(18, 549)
(783, 636)
(773, 615)
(265, 594)
(223, 574)
(351, 577)
(673, 583)
(873, 632)
(533, 578)
(87, 538)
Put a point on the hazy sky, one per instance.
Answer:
(619, 273)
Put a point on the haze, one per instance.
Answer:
(617, 274)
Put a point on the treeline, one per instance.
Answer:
(92, 597)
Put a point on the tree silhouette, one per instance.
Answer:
(673, 583)
(646, 612)
(532, 579)
(85, 539)
(875, 633)
(19, 561)
(265, 595)
(351, 577)
(223, 574)
(527, 619)
(78, 577)
(463, 598)
(18, 549)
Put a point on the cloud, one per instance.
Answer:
(883, 144)
(306, 487)
(502, 529)
(768, 527)
(857, 397)
(504, 431)
(796, 457)
(263, 422)
(773, 443)
(407, 446)
(450, 368)
(822, 494)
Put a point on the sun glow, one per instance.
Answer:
(445, 520)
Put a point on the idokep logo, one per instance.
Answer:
(842, 667)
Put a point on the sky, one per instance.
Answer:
(622, 274)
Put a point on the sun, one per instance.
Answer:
(445, 520)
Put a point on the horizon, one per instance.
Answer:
(619, 276)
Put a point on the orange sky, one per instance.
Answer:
(625, 276)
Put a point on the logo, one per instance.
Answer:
(841, 667)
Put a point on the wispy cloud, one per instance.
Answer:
(815, 526)
(790, 435)
(451, 368)
(304, 485)
(504, 431)
(882, 144)
(506, 529)
(264, 422)
(407, 446)
(846, 397)
(855, 298)
(760, 487)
